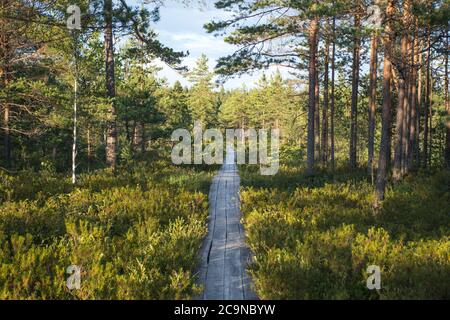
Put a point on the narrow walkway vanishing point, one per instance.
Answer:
(224, 255)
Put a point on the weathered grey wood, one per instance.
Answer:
(224, 255)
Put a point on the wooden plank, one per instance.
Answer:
(206, 246)
(216, 258)
(224, 255)
(233, 268)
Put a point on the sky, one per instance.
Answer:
(181, 28)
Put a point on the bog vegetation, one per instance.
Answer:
(313, 238)
(86, 121)
(134, 233)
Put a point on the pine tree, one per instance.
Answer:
(202, 99)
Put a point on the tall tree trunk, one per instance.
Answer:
(127, 120)
(355, 83)
(313, 30)
(332, 111)
(384, 155)
(111, 133)
(383, 158)
(404, 106)
(137, 136)
(407, 109)
(317, 116)
(5, 75)
(398, 144)
(427, 102)
(6, 134)
(413, 104)
(74, 144)
(372, 105)
(447, 107)
(430, 126)
(419, 103)
(324, 144)
(390, 126)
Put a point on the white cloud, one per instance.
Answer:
(200, 43)
(181, 28)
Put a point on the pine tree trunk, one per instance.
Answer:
(407, 110)
(137, 135)
(400, 113)
(317, 117)
(6, 134)
(324, 143)
(313, 30)
(383, 158)
(354, 103)
(127, 120)
(74, 143)
(332, 111)
(384, 155)
(427, 103)
(372, 105)
(447, 108)
(407, 76)
(111, 133)
(430, 118)
(419, 104)
(390, 127)
(413, 105)
(5, 75)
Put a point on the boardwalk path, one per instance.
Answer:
(224, 255)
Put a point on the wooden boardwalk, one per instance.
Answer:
(224, 255)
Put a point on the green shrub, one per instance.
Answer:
(315, 240)
(135, 233)
(30, 271)
(29, 185)
(43, 222)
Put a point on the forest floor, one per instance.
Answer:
(314, 237)
(136, 233)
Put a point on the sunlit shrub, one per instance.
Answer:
(29, 185)
(135, 233)
(314, 239)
